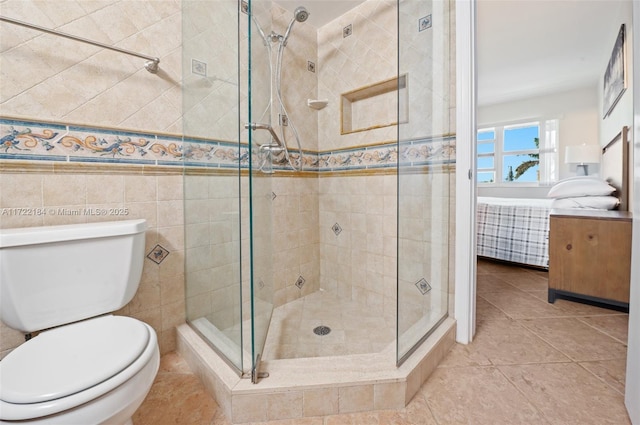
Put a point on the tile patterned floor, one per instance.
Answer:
(530, 363)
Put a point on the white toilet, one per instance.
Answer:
(89, 367)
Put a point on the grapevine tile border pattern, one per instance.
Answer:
(39, 141)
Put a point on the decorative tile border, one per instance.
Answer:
(39, 141)
(411, 153)
(435, 150)
(35, 141)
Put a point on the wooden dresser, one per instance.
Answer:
(590, 256)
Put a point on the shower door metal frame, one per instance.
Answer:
(260, 231)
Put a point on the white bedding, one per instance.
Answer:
(535, 202)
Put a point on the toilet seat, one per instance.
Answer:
(71, 365)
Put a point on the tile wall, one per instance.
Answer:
(55, 80)
(358, 261)
(296, 241)
(367, 56)
(299, 78)
(65, 196)
(358, 216)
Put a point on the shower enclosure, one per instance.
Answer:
(318, 172)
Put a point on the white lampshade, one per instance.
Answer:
(582, 154)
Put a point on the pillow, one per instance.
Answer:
(581, 187)
(591, 202)
(568, 179)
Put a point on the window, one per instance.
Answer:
(521, 153)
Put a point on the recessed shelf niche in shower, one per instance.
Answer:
(375, 106)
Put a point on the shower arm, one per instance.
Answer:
(268, 147)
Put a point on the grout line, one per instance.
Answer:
(550, 344)
(531, 403)
(581, 364)
(600, 330)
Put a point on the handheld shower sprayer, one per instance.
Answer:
(278, 145)
(301, 14)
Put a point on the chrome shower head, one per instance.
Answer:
(301, 14)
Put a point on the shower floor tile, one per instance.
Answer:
(355, 328)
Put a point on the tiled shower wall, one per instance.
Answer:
(294, 205)
(359, 261)
(358, 255)
(299, 78)
(367, 56)
(102, 88)
(296, 243)
(52, 79)
(358, 213)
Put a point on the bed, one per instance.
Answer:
(614, 166)
(514, 230)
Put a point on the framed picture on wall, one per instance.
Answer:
(614, 77)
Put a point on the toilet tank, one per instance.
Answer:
(53, 275)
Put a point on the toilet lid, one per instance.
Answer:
(70, 359)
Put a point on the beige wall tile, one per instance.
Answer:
(249, 408)
(171, 289)
(172, 315)
(172, 238)
(389, 395)
(63, 190)
(19, 190)
(140, 188)
(97, 84)
(147, 296)
(105, 189)
(161, 287)
(320, 402)
(357, 398)
(145, 210)
(167, 341)
(284, 405)
(170, 213)
(9, 339)
(170, 188)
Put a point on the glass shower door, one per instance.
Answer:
(210, 96)
(425, 172)
(261, 288)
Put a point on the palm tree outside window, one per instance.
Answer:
(512, 154)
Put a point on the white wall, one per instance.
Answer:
(632, 386)
(577, 112)
(622, 114)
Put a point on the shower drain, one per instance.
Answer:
(322, 330)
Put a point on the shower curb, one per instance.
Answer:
(318, 386)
